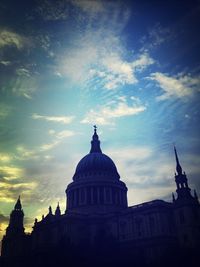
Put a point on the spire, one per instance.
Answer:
(18, 205)
(36, 221)
(178, 166)
(57, 211)
(95, 143)
(50, 210)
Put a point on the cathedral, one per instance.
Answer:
(98, 227)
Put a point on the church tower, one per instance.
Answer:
(183, 190)
(186, 209)
(14, 232)
(16, 226)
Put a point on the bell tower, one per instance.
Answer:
(16, 225)
(14, 232)
(186, 210)
(183, 190)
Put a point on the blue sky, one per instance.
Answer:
(130, 67)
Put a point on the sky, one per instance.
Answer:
(130, 67)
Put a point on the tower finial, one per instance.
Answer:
(178, 166)
(50, 210)
(18, 205)
(57, 211)
(95, 143)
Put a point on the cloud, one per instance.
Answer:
(22, 186)
(9, 191)
(50, 10)
(62, 134)
(179, 86)
(25, 154)
(98, 57)
(23, 72)
(3, 218)
(106, 114)
(89, 6)
(10, 172)
(101, 60)
(5, 62)
(24, 84)
(49, 146)
(59, 119)
(119, 72)
(3, 225)
(5, 157)
(5, 111)
(22, 153)
(156, 36)
(131, 153)
(9, 38)
(14, 183)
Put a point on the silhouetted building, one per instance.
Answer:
(99, 229)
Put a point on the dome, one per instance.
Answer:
(96, 186)
(96, 164)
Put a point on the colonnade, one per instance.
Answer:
(96, 195)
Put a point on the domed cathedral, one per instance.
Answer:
(99, 229)
(96, 186)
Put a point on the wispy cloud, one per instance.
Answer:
(11, 172)
(96, 59)
(98, 55)
(49, 146)
(62, 134)
(117, 72)
(5, 62)
(50, 10)
(8, 38)
(106, 114)
(156, 36)
(59, 119)
(3, 225)
(24, 84)
(5, 157)
(59, 138)
(179, 86)
(10, 191)
(5, 110)
(89, 6)
(22, 153)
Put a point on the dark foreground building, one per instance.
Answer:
(99, 229)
